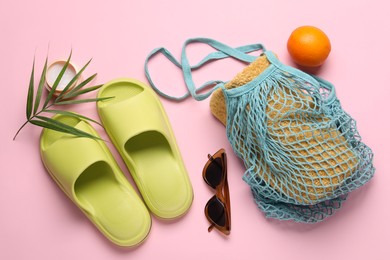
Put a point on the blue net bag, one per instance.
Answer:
(302, 152)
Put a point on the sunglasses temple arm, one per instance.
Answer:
(227, 195)
(211, 227)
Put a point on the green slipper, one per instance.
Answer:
(137, 124)
(88, 174)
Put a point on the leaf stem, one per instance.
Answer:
(25, 123)
(36, 114)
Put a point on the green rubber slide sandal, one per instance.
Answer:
(138, 126)
(88, 174)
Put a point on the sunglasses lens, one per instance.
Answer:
(214, 172)
(216, 212)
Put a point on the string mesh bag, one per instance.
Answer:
(302, 151)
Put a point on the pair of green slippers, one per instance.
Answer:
(86, 171)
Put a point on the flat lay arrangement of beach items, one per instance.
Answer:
(302, 151)
(217, 209)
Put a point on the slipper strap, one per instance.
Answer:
(69, 157)
(143, 113)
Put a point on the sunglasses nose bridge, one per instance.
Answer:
(219, 190)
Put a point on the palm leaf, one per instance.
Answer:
(33, 115)
(40, 87)
(59, 126)
(68, 113)
(79, 101)
(48, 125)
(83, 91)
(79, 86)
(60, 129)
(74, 79)
(30, 95)
(59, 77)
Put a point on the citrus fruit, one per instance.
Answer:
(308, 46)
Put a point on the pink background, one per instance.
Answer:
(37, 221)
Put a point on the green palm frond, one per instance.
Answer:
(66, 97)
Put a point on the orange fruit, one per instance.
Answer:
(308, 46)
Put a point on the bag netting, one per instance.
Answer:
(302, 151)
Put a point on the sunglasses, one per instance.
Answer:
(217, 209)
